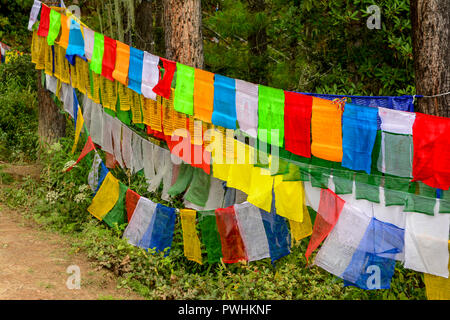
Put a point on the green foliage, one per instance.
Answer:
(14, 23)
(18, 114)
(315, 46)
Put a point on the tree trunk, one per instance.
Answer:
(52, 123)
(183, 32)
(431, 47)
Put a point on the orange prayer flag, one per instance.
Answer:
(65, 30)
(203, 95)
(326, 130)
(120, 72)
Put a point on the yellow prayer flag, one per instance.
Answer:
(289, 198)
(79, 126)
(106, 197)
(191, 242)
(260, 194)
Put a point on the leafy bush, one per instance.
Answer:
(18, 110)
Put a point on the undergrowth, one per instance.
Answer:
(59, 201)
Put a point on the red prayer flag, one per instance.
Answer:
(131, 200)
(88, 147)
(44, 24)
(297, 123)
(431, 159)
(163, 87)
(330, 207)
(233, 249)
(109, 58)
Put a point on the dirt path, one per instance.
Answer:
(34, 262)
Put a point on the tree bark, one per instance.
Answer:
(431, 48)
(183, 32)
(52, 123)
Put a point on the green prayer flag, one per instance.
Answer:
(198, 191)
(183, 99)
(97, 53)
(367, 187)
(55, 25)
(395, 190)
(184, 179)
(444, 205)
(210, 235)
(422, 200)
(270, 114)
(117, 213)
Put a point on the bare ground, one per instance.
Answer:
(34, 262)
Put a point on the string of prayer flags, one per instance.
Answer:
(140, 221)
(252, 231)
(277, 233)
(35, 9)
(359, 130)
(44, 23)
(326, 132)
(203, 95)
(191, 242)
(121, 69)
(135, 69)
(150, 75)
(131, 201)
(330, 207)
(224, 113)
(297, 123)
(210, 235)
(163, 88)
(89, 36)
(247, 107)
(109, 58)
(116, 216)
(97, 53)
(54, 26)
(184, 91)
(106, 197)
(159, 233)
(271, 115)
(233, 248)
(431, 162)
(76, 42)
